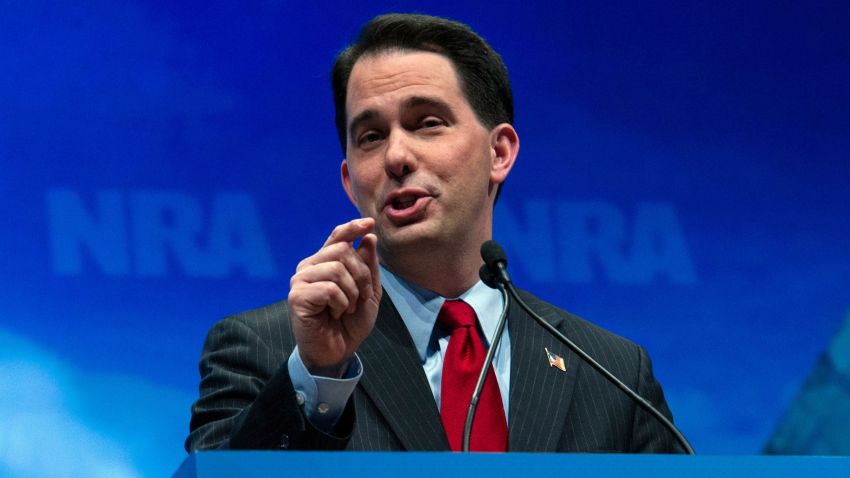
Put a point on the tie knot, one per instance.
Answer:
(456, 313)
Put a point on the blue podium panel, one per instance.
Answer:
(259, 464)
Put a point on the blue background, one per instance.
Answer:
(683, 180)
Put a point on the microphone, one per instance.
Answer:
(487, 277)
(496, 263)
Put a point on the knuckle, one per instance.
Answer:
(363, 271)
(363, 276)
(328, 288)
(352, 259)
(338, 269)
(296, 279)
(338, 247)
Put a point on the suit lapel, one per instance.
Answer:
(540, 394)
(393, 378)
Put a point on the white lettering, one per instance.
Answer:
(166, 221)
(237, 239)
(591, 241)
(530, 245)
(101, 232)
(590, 232)
(658, 247)
(160, 231)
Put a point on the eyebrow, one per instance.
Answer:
(415, 101)
(409, 103)
(361, 118)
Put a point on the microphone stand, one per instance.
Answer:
(488, 360)
(495, 262)
(605, 373)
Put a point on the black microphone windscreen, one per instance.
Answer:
(487, 277)
(492, 254)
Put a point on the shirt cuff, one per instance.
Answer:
(323, 398)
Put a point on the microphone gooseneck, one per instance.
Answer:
(493, 282)
(495, 261)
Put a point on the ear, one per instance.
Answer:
(504, 147)
(346, 182)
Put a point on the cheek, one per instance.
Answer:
(465, 158)
(364, 182)
(474, 165)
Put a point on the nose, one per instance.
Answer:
(399, 158)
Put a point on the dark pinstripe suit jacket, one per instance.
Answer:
(247, 399)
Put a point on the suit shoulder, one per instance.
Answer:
(264, 325)
(264, 331)
(275, 314)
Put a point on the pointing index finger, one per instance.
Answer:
(351, 231)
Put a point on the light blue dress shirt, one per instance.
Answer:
(324, 398)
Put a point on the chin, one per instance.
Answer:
(412, 235)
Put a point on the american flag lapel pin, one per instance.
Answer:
(555, 360)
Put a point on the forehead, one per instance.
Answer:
(388, 77)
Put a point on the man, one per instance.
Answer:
(376, 346)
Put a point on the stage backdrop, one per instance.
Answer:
(683, 180)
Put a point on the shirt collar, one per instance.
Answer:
(419, 307)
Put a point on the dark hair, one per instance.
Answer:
(482, 74)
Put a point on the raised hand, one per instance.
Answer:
(334, 298)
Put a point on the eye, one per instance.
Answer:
(431, 122)
(369, 137)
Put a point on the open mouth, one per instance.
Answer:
(404, 207)
(404, 203)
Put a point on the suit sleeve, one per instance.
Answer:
(648, 434)
(247, 400)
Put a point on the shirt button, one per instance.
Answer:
(299, 397)
(323, 408)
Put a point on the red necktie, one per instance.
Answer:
(461, 366)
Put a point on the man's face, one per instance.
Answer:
(418, 160)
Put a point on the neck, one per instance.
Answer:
(448, 273)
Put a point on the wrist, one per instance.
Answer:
(330, 371)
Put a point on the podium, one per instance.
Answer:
(269, 464)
